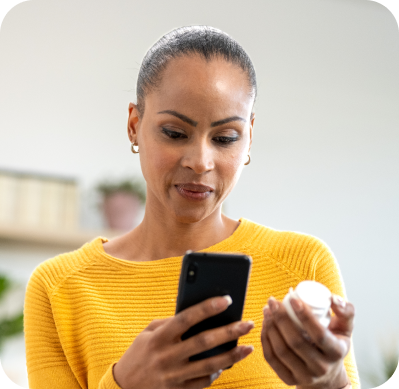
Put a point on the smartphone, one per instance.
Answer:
(205, 275)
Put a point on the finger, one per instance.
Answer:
(344, 316)
(211, 338)
(193, 315)
(282, 371)
(216, 375)
(156, 323)
(203, 382)
(283, 352)
(332, 347)
(208, 366)
(295, 340)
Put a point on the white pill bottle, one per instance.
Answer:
(316, 296)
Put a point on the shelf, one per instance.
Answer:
(52, 237)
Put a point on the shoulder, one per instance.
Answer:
(296, 251)
(276, 242)
(51, 273)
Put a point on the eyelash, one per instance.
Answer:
(223, 140)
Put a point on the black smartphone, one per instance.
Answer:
(205, 275)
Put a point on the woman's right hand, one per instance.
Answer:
(159, 359)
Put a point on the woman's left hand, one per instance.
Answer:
(312, 361)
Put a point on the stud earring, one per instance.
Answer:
(132, 148)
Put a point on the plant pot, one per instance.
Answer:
(121, 210)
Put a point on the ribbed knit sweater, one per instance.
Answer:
(83, 309)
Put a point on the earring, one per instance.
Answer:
(133, 150)
(249, 160)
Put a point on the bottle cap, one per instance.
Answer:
(316, 296)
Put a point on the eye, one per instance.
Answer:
(173, 134)
(225, 140)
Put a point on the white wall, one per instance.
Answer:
(325, 156)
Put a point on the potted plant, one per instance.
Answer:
(9, 326)
(121, 201)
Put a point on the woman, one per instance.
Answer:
(103, 316)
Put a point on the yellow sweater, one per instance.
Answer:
(83, 309)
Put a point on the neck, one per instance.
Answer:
(162, 237)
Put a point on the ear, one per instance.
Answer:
(251, 126)
(132, 123)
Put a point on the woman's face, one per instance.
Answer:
(194, 136)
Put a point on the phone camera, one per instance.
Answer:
(192, 272)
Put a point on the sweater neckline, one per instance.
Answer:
(233, 243)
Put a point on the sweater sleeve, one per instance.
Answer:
(45, 359)
(327, 272)
(46, 362)
(108, 380)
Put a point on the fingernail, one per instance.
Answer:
(246, 350)
(266, 312)
(296, 304)
(219, 303)
(338, 300)
(216, 375)
(229, 299)
(244, 327)
(273, 304)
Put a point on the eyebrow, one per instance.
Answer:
(193, 123)
(227, 120)
(182, 117)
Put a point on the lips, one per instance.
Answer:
(195, 187)
(193, 191)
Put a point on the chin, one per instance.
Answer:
(190, 216)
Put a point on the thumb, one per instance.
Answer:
(344, 311)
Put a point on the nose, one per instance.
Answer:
(199, 156)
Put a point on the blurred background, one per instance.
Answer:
(325, 156)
